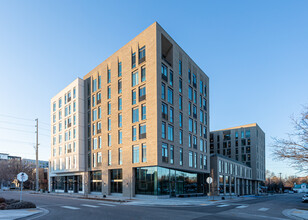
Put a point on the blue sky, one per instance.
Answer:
(255, 53)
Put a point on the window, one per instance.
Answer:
(108, 108)
(190, 159)
(164, 152)
(195, 96)
(60, 115)
(171, 114)
(200, 101)
(120, 156)
(94, 115)
(181, 137)
(201, 145)
(195, 127)
(195, 160)
(99, 142)
(99, 157)
(163, 130)
(141, 53)
(195, 111)
(120, 103)
(201, 116)
(247, 134)
(170, 95)
(204, 104)
(189, 76)
(135, 154)
(74, 119)
(201, 162)
(135, 78)
(171, 154)
(189, 140)
(134, 97)
(60, 104)
(170, 132)
(142, 93)
(109, 92)
(142, 131)
(180, 85)
(195, 142)
(109, 140)
(144, 153)
(119, 69)
(242, 134)
(99, 112)
(94, 130)
(93, 101)
(119, 86)
(164, 110)
(180, 67)
(120, 120)
(164, 72)
(190, 93)
(98, 97)
(170, 77)
(108, 76)
(201, 87)
(204, 89)
(120, 137)
(134, 133)
(194, 80)
(133, 60)
(236, 135)
(94, 143)
(94, 85)
(99, 82)
(143, 112)
(60, 126)
(180, 103)
(109, 157)
(163, 91)
(109, 124)
(143, 74)
(190, 125)
(135, 115)
(181, 120)
(181, 156)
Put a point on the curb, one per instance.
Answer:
(288, 213)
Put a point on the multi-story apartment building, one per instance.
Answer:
(244, 143)
(230, 177)
(146, 121)
(67, 162)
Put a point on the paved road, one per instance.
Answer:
(72, 208)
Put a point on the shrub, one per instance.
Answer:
(11, 201)
(2, 206)
(2, 200)
(21, 205)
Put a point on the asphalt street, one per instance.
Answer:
(60, 207)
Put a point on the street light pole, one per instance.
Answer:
(36, 153)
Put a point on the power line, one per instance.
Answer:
(12, 141)
(10, 116)
(12, 129)
(14, 123)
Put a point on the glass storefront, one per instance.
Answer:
(164, 181)
(67, 183)
(116, 181)
(96, 181)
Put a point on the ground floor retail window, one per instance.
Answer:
(164, 181)
(116, 181)
(67, 183)
(96, 181)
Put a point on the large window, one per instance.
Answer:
(119, 86)
(164, 110)
(134, 133)
(135, 154)
(142, 54)
(96, 181)
(170, 95)
(171, 154)
(143, 112)
(171, 115)
(163, 130)
(180, 67)
(171, 78)
(94, 85)
(163, 91)
(180, 103)
(133, 60)
(120, 103)
(109, 108)
(119, 69)
(109, 140)
(120, 120)
(190, 159)
(109, 92)
(170, 132)
(180, 85)
(135, 78)
(164, 72)
(120, 156)
(181, 156)
(190, 93)
(142, 93)
(142, 131)
(144, 153)
(120, 137)
(134, 97)
(143, 74)
(135, 115)
(116, 181)
(109, 124)
(109, 76)
(109, 157)
(164, 152)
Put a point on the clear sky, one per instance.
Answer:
(255, 53)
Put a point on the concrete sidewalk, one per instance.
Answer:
(298, 213)
(18, 213)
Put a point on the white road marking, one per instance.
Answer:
(70, 207)
(104, 204)
(91, 206)
(263, 209)
(242, 206)
(224, 205)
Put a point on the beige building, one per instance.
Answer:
(145, 122)
(245, 144)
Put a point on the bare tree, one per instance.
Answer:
(295, 148)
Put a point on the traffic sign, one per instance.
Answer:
(209, 180)
(22, 177)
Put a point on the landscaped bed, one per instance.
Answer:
(15, 204)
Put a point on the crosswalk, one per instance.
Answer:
(240, 207)
(87, 206)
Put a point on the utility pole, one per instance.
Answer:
(280, 184)
(36, 152)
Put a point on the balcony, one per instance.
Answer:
(142, 136)
(165, 159)
(141, 60)
(143, 97)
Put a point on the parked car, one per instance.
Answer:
(305, 198)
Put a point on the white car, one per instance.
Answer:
(305, 198)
